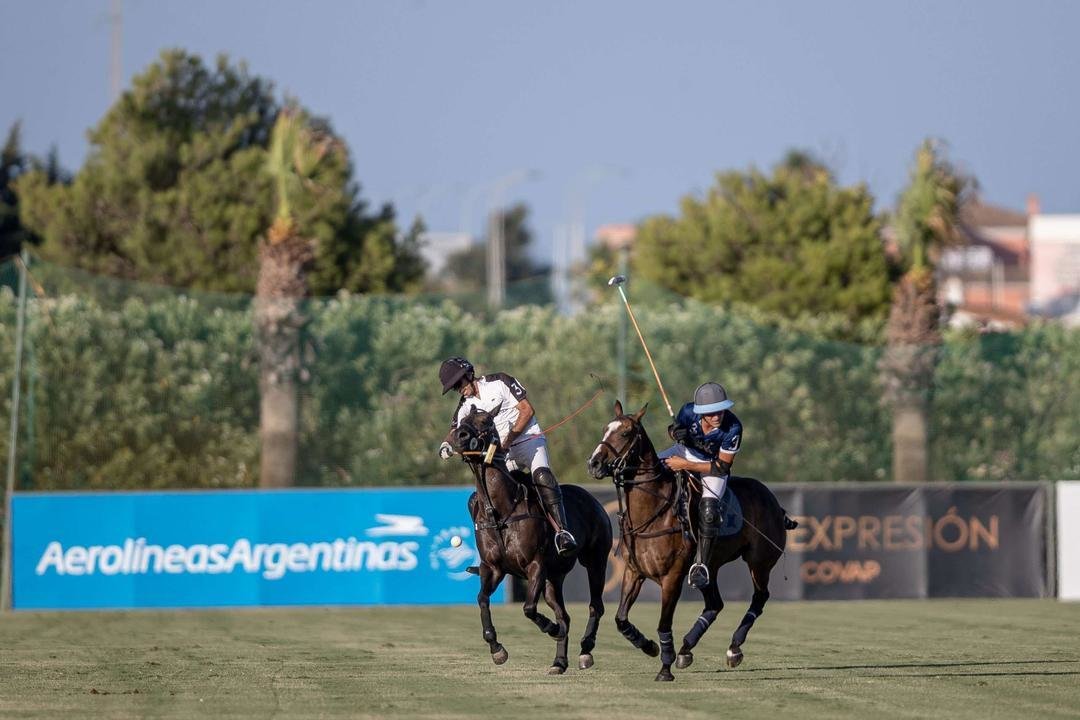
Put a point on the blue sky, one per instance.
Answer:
(621, 107)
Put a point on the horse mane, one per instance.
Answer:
(647, 447)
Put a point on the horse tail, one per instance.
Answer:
(788, 523)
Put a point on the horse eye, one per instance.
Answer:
(625, 433)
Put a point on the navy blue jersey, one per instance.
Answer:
(725, 438)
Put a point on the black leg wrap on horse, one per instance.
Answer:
(630, 632)
(744, 628)
(667, 648)
(588, 640)
(704, 621)
(489, 635)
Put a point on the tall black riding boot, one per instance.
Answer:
(551, 496)
(709, 521)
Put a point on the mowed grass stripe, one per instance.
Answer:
(941, 658)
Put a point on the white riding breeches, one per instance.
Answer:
(529, 451)
(714, 485)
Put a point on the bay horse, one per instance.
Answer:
(657, 536)
(513, 537)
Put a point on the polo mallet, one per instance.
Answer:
(618, 281)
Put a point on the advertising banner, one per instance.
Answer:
(379, 546)
(228, 548)
(1068, 540)
(921, 541)
(887, 541)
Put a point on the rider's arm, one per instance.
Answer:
(702, 467)
(525, 416)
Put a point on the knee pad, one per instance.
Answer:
(543, 476)
(710, 511)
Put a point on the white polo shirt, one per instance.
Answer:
(497, 391)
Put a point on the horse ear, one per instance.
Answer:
(640, 413)
(618, 409)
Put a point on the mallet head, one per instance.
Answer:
(617, 280)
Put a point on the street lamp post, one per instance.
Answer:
(496, 248)
(9, 485)
(570, 241)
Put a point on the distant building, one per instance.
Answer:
(1055, 267)
(617, 236)
(437, 247)
(986, 280)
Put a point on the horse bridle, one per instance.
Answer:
(479, 440)
(619, 468)
(622, 474)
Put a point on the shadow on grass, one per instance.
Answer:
(958, 667)
(900, 666)
(883, 676)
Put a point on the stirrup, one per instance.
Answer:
(698, 576)
(565, 542)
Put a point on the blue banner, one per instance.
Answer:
(227, 548)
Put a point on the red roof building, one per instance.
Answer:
(987, 279)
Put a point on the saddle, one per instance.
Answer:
(730, 507)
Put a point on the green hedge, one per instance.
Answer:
(146, 389)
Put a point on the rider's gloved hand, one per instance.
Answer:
(511, 466)
(679, 433)
(445, 451)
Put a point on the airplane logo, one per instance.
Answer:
(397, 525)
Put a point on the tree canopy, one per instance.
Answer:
(928, 213)
(793, 242)
(14, 162)
(175, 191)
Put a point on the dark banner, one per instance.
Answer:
(887, 541)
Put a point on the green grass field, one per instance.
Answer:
(942, 658)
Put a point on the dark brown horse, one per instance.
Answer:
(514, 537)
(659, 545)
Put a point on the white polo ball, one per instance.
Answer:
(455, 541)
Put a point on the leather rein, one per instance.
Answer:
(627, 476)
(494, 522)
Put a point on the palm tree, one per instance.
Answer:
(926, 221)
(299, 157)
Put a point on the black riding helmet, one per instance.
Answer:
(452, 371)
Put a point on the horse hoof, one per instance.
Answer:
(684, 661)
(585, 661)
(500, 656)
(650, 648)
(734, 658)
(556, 670)
(664, 675)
